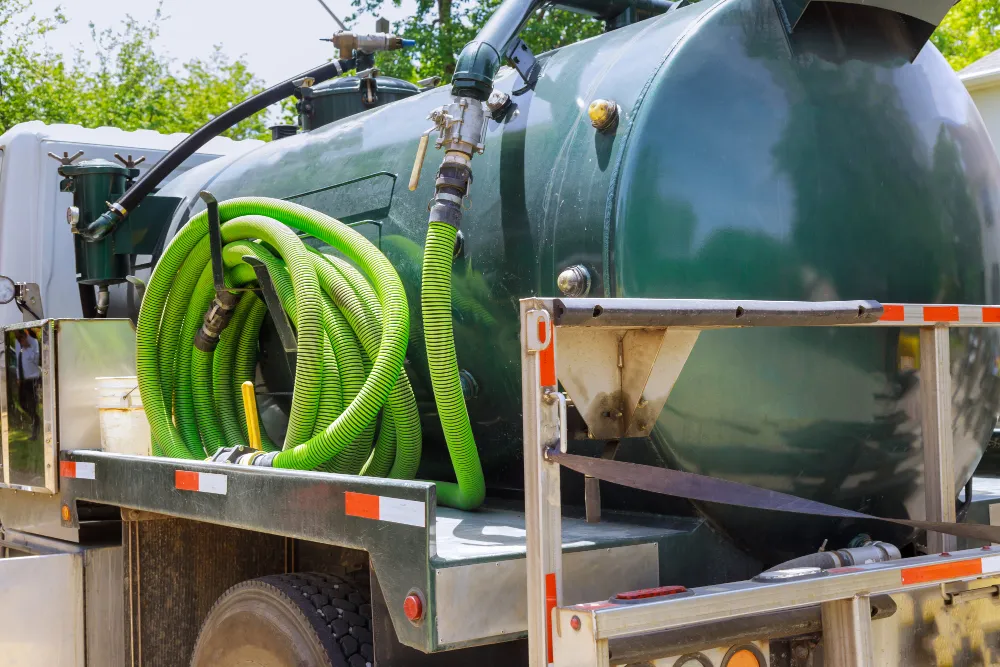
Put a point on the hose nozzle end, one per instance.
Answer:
(104, 225)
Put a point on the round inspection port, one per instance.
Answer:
(413, 607)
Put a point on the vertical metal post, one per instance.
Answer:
(847, 633)
(542, 504)
(939, 454)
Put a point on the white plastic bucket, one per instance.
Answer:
(124, 428)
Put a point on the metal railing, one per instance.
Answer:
(636, 349)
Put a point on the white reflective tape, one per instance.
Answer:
(397, 510)
(913, 314)
(970, 314)
(86, 470)
(212, 483)
(991, 564)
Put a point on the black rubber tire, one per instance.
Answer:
(289, 620)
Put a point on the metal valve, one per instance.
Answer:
(461, 128)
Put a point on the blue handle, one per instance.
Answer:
(408, 42)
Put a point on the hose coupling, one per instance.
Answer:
(450, 189)
(230, 454)
(104, 224)
(262, 459)
(243, 456)
(216, 319)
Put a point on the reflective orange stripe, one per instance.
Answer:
(941, 571)
(892, 313)
(362, 505)
(550, 604)
(991, 314)
(941, 313)
(547, 357)
(186, 480)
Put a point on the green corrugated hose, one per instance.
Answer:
(352, 324)
(439, 339)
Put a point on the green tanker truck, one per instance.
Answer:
(376, 369)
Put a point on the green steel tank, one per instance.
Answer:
(843, 160)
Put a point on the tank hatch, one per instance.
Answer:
(339, 98)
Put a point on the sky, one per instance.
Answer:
(279, 38)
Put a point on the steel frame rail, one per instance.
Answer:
(579, 635)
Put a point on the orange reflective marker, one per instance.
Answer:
(743, 658)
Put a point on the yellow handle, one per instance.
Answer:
(418, 164)
(250, 408)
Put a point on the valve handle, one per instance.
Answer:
(250, 408)
(129, 162)
(65, 159)
(418, 164)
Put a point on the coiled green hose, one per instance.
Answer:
(352, 327)
(439, 338)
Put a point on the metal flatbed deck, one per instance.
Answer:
(464, 558)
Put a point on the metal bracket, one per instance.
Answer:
(523, 60)
(215, 240)
(278, 315)
(28, 297)
(592, 485)
(619, 379)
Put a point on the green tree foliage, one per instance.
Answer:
(442, 27)
(121, 81)
(970, 31)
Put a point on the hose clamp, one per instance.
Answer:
(444, 196)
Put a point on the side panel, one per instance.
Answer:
(41, 617)
(105, 607)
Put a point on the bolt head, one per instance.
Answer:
(574, 281)
(498, 100)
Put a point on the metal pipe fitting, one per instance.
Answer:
(216, 319)
(872, 552)
(103, 301)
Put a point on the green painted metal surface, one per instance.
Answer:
(93, 184)
(746, 164)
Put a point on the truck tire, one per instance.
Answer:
(288, 620)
